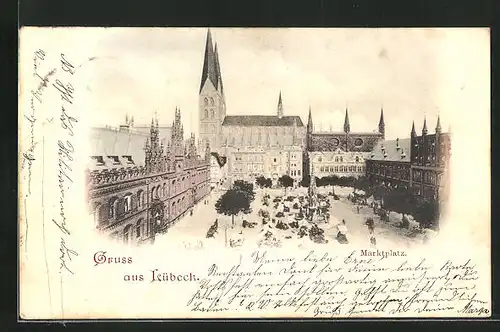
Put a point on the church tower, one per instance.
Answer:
(212, 104)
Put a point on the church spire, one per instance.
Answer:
(413, 132)
(310, 122)
(209, 63)
(424, 129)
(280, 107)
(381, 123)
(347, 127)
(438, 126)
(220, 87)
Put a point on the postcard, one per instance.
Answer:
(220, 173)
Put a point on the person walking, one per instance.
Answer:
(371, 225)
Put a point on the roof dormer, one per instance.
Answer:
(99, 160)
(115, 160)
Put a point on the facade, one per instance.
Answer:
(419, 163)
(430, 156)
(389, 163)
(250, 163)
(138, 187)
(339, 153)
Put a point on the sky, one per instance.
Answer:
(411, 73)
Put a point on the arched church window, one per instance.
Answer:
(206, 114)
(357, 159)
(211, 101)
(212, 114)
(206, 101)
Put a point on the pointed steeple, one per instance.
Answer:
(424, 129)
(280, 107)
(220, 86)
(347, 126)
(413, 132)
(209, 64)
(310, 122)
(438, 126)
(381, 123)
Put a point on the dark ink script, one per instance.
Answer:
(321, 284)
(65, 158)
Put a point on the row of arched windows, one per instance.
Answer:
(206, 114)
(209, 100)
(118, 206)
(180, 205)
(208, 128)
(341, 169)
(260, 141)
(132, 233)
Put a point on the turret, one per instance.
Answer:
(438, 126)
(424, 128)
(309, 122)
(413, 132)
(381, 123)
(280, 107)
(347, 126)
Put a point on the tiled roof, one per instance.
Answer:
(111, 142)
(389, 151)
(262, 121)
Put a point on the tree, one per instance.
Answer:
(362, 183)
(400, 200)
(232, 202)
(426, 212)
(262, 181)
(245, 187)
(285, 181)
(379, 191)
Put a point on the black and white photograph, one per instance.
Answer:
(347, 161)
(254, 172)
